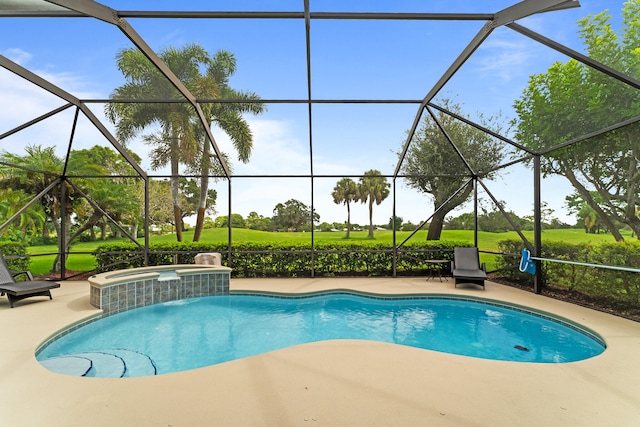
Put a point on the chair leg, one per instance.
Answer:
(14, 298)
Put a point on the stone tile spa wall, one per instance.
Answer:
(140, 292)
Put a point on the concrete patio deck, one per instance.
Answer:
(333, 383)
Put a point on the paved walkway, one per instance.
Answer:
(334, 383)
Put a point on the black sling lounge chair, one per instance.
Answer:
(466, 267)
(20, 290)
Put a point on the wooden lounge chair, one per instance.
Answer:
(466, 267)
(20, 290)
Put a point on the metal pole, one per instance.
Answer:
(146, 221)
(307, 25)
(63, 224)
(229, 245)
(537, 225)
(393, 220)
(475, 211)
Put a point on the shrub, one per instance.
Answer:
(286, 259)
(597, 282)
(10, 249)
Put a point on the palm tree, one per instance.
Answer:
(373, 188)
(32, 174)
(181, 138)
(31, 221)
(345, 191)
(41, 173)
(175, 142)
(227, 116)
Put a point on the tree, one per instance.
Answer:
(585, 214)
(113, 194)
(345, 192)
(572, 100)
(465, 221)
(433, 166)
(181, 138)
(495, 222)
(257, 222)
(30, 221)
(546, 217)
(160, 204)
(175, 142)
(293, 215)
(191, 200)
(228, 117)
(325, 227)
(398, 223)
(40, 169)
(237, 221)
(373, 188)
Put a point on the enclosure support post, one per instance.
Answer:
(146, 221)
(62, 253)
(229, 245)
(475, 212)
(393, 224)
(537, 225)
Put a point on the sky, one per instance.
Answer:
(363, 59)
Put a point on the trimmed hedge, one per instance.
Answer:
(286, 259)
(9, 249)
(593, 281)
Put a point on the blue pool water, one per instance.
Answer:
(198, 332)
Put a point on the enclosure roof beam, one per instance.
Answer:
(30, 203)
(590, 135)
(531, 7)
(111, 16)
(451, 142)
(503, 17)
(55, 12)
(482, 128)
(378, 16)
(37, 80)
(36, 120)
(51, 88)
(576, 55)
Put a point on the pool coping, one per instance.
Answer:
(341, 382)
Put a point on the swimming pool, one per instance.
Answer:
(197, 332)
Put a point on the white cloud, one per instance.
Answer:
(18, 56)
(278, 151)
(504, 57)
(28, 101)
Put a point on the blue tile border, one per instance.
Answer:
(141, 292)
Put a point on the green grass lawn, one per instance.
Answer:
(81, 259)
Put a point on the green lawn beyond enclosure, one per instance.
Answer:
(82, 260)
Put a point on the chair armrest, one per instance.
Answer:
(483, 267)
(27, 273)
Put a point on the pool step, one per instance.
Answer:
(104, 364)
(137, 364)
(115, 363)
(69, 365)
